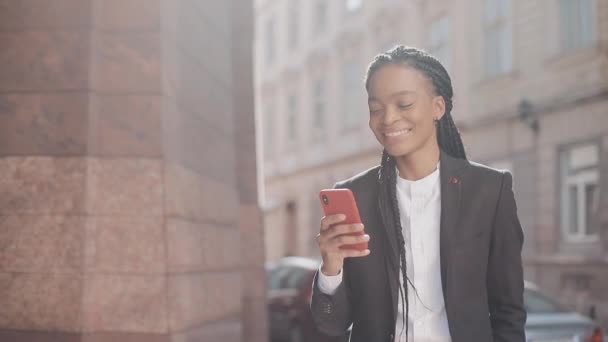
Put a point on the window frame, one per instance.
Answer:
(580, 177)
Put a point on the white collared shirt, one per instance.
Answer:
(420, 213)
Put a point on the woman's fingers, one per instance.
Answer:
(342, 240)
(354, 253)
(330, 220)
(342, 229)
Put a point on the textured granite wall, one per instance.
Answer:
(128, 197)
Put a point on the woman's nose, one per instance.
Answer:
(390, 116)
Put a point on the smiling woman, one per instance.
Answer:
(444, 258)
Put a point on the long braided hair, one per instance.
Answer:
(448, 139)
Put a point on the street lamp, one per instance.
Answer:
(527, 115)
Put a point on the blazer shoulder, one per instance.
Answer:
(361, 180)
(489, 173)
(490, 184)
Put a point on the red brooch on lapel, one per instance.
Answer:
(454, 180)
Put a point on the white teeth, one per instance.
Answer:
(394, 134)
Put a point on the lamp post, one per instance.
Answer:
(527, 115)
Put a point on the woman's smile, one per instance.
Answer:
(394, 136)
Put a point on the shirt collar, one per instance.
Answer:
(424, 184)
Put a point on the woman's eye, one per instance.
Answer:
(404, 106)
(374, 111)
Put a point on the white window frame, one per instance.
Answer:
(498, 29)
(580, 179)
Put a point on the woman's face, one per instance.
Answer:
(402, 106)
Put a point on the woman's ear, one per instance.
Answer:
(438, 107)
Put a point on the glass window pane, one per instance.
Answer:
(439, 40)
(491, 10)
(294, 280)
(352, 88)
(573, 209)
(321, 16)
(587, 20)
(504, 9)
(535, 302)
(583, 156)
(566, 9)
(278, 277)
(294, 24)
(591, 208)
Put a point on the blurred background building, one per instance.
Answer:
(128, 186)
(531, 96)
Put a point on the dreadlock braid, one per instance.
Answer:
(390, 213)
(448, 139)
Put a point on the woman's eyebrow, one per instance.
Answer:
(399, 93)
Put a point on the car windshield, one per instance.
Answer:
(535, 302)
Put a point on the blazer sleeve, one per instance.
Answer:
(505, 281)
(331, 313)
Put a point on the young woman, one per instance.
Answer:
(444, 257)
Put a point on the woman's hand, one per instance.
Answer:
(332, 236)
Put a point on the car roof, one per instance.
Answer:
(528, 285)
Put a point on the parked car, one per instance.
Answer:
(548, 321)
(290, 320)
(289, 294)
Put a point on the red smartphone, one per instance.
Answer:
(342, 201)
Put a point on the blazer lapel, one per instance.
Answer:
(450, 171)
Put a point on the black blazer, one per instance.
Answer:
(481, 269)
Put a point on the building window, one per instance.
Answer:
(320, 17)
(268, 122)
(270, 42)
(351, 95)
(439, 40)
(580, 192)
(353, 5)
(293, 35)
(577, 23)
(498, 38)
(292, 115)
(319, 110)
